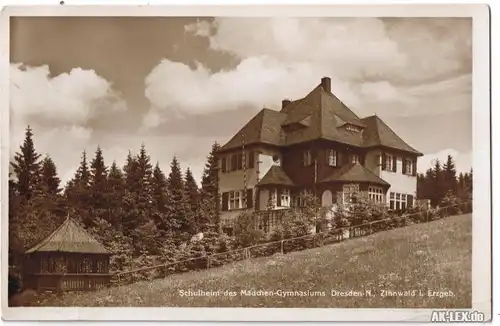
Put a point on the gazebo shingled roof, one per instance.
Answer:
(72, 238)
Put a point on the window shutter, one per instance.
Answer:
(384, 161)
(394, 163)
(225, 201)
(223, 163)
(414, 168)
(251, 159)
(240, 161)
(403, 170)
(339, 159)
(249, 198)
(327, 152)
(234, 162)
(278, 197)
(409, 199)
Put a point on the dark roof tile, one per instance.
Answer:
(275, 176)
(70, 237)
(355, 172)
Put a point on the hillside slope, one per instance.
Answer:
(433, 259)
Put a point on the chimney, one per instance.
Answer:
(284, 103)
(326, 83)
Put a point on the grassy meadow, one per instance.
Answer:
(414, 260)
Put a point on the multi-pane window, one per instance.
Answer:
(354, 158)
(376, 194)
(235, 198)
(389, 162)
(238, 161)
(332, 157)
(352, 128)
(307, 158)
(399, 201)
(285, 198)
(408, 167)
(348, 193)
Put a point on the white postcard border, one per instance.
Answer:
(481, 271)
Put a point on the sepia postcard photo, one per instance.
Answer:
(219, 163)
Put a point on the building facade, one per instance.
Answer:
(318, 146)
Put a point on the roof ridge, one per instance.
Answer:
(47, 239)
(364, 168)
(379, 120)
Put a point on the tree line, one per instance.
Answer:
(135, 210)
(440, 183)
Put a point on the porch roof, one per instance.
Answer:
(355, 172)
(275, 176)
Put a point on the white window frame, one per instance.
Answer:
(350, 127)
(307, 158)
(354, 158)
(285, 198)
(332, 157)
(235, 200)
(409, 167)
(376, 194)
(347, 193)
(389, 160)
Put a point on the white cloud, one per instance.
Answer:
(58, 109)
(286, 57)
(463, 161)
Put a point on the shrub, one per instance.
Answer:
(451, 204)
(245, 230)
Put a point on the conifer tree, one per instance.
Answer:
(27, 166)
(116, 189)
(450, 176)
(210, 191)
(176, 201)
(160, 200)
(193, 199)
(78, 194)
(50, 180)
(98, 187)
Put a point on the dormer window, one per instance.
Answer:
(352, 128)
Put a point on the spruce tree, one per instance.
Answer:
(176, 201)
(116, 189)
(27, 166)
(98, 187)
(450, 176)
(50, 180)
(437, 184)
(193, 199)
(78, 194)
(210, 191)
(160, 201)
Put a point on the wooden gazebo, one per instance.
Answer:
(69, 259)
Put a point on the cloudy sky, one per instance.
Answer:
(179, 84)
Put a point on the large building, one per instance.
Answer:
(314, 145)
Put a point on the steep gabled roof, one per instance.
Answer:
(70, 237)
(264, 127)
(355, 172)
(319, 115)
(325, 113)
(378, 133)
(275, 176)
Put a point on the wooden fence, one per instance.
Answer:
(287, 245)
